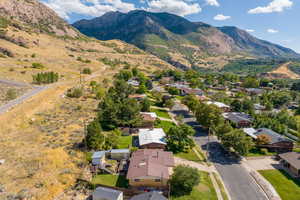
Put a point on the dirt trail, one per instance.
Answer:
(283, 69)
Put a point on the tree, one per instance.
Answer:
(169, 103)
(145, 105)
(124, 75)
(75, 92)
(296, 86)
(149, 84)
(183, 180)
(222, 129)
(250, 82)
(191, 102)
(95, 139)
(112, 139)
(142, 89)
(178, 138)
(263, 139)
(209, 116)
(87, 71)
(238, 141)
(173, 91)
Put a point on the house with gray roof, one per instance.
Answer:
(98, 158)
(102, 193)
(291, 163)
(153, 138)
(149, 196)
(277, 143)
(240, 120)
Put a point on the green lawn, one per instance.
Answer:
(287, 187)
(221, 186)
(161, 113)
(166, 125)
(204, 191)
(255, 152)
(110, 180)
(125, 142)
(191, 156)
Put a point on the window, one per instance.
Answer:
(137, 180)
(157, 180)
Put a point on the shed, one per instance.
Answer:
(98, 157)
(102, 193)
(119, 154)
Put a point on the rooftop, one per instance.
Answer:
(275, 137)
(149, 196)
(251, 132)
(106, 193)
(218, 104)
(237, 117)
(148, 136)
(150, 162)
(292, 157)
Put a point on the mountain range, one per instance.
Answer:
(179, 41)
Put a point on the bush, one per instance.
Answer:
(37, 66)
(11, 94)
(87, 71)
(75, 93)
(45, 78)
(264, 151)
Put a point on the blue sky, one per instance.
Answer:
(272, 20)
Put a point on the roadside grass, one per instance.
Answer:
(161, 113)
(110, 180)
(256, 152)
(296, 150)
(287, 187)
(221, 186)
(125, 142)
(204, 190)
(200, 153)
(166, 125)
(191, 156)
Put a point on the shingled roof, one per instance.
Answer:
(293, 158)
(150, 162)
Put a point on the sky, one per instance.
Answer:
(271, 20)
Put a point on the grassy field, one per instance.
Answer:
(161, 113)
(166, 125)
(191, 156)
(203, 191)
(287, 187)
(110, 180)
(125, 142)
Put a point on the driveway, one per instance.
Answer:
(238, 181)
(263, 163)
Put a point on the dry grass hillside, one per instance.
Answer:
(39, 138)
(284, 72)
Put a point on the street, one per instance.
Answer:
(238, 181)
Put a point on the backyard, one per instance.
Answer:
(161, 113)
(125, 142)
(287, 187)
(204, 190)
(110, 180)
(166, 125)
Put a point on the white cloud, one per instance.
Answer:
(250, 30)
(177, 7)
(221, 17)
(270, 30)
(274, 6)
(92, 8)
(212, 3)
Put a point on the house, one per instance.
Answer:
(291, 163)
(133, 82)
(259, 107)
(149, 119)
(222, 106)
(102, 193)
(278, 143)
(254, 91)
(150, 168)
(190, 91)
(98, 158)
(119, 154)
(152, 138)
(138, 97)
(240, 120)
(149, 196)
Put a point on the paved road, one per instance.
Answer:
(238, 181)
(6, 107)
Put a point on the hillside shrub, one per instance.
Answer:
(45, 78)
